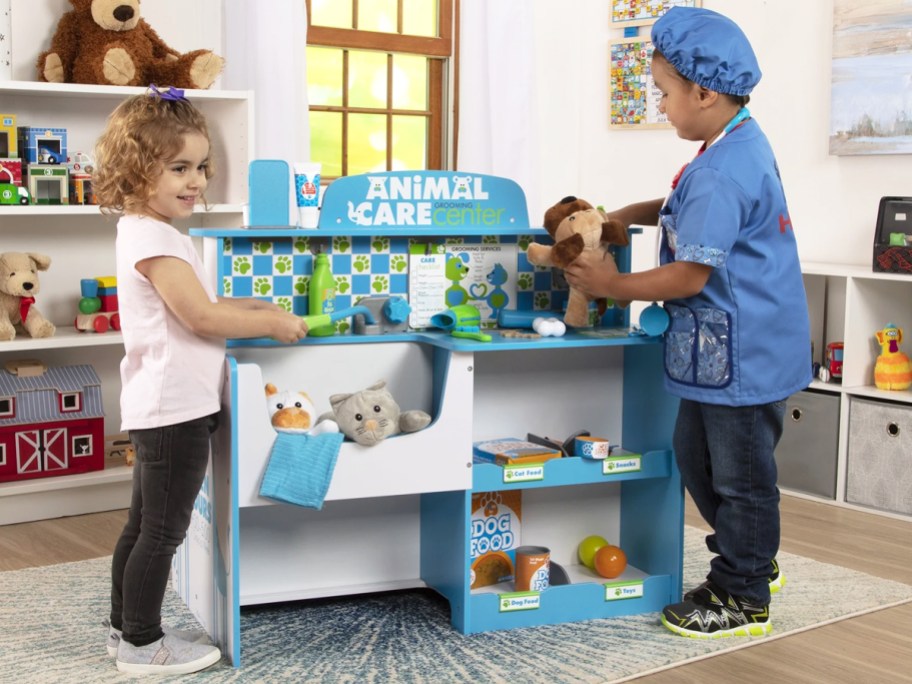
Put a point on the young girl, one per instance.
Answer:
(739, 340)
(153, 166)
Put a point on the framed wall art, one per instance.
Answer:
(634, 96)
(642, 12)
(871, 94)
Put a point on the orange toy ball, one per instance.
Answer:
(610, 561)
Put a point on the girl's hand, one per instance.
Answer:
(288, 327)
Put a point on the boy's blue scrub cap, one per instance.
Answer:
(708, 49)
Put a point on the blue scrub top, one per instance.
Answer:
(745, 339)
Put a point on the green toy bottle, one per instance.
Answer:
(322, 299)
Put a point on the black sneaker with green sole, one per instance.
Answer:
(776, 582)
(713, 613)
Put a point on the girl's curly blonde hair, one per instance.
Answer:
(141, 134)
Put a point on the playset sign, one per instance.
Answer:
(424, 199)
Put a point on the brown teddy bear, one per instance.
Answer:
(18, 287)
(575, 225)
(106, 42)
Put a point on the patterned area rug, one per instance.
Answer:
(50, 631)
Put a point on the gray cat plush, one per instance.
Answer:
(371, 415)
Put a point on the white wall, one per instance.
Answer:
(833, 200)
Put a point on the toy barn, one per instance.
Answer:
(51, 423)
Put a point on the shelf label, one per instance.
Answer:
(618, 591)
(524, 473)
(521, 600)
(614, 465)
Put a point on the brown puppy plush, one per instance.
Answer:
(106, 42)
(576, 226)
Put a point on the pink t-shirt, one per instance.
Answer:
(169, 374)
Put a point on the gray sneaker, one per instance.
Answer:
(168, 655)
(193, 636)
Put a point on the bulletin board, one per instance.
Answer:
(634, 96)
(642, 12)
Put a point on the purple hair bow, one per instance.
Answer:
(169, 93)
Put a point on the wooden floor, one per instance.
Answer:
(871, 649)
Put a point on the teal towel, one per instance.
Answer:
(300, 468)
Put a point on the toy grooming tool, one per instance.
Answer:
(321, 320)
(461, 321)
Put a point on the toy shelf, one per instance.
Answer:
(80, 242)
(487, 477)
(53, 497)
(641, 512)
(849, 303)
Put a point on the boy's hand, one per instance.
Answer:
(593, 273)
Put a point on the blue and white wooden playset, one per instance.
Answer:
(398, 514)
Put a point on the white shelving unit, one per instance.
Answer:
(850, 304)
(80, 242)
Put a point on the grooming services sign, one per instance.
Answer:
(433, 200)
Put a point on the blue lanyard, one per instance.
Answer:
(742, 116)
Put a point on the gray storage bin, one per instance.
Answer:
(807, 452)
(879, 470)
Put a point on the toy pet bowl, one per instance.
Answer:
(654, 320)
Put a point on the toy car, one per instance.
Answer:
(834, 360)
(46, 156)
(13, 194)
(81, 164)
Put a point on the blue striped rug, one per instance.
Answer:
(50, 631)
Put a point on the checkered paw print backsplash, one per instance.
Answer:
(280, 269)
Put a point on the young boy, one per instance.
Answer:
(739, 339)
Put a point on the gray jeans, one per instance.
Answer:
(170, 467)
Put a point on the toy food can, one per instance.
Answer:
(496, 531)
(533, 565)
(592, 447)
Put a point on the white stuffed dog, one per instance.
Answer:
(18, 287)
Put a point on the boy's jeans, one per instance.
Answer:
(169, 470)
(725, 455)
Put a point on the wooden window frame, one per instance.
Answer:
(437, 49)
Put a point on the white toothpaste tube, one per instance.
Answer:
(307, 193)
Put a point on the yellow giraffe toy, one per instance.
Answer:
(892, 371)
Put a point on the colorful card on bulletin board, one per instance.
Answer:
(634, 96)
(435, 200)
(444, 276)
(642, 12)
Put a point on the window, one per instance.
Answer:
(2, 454)
(81, 445)
(7, 407)
(376, 82)
(70, 401)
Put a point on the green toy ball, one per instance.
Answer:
(89, 305)
(588, 548)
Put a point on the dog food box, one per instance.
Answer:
(496, 526)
